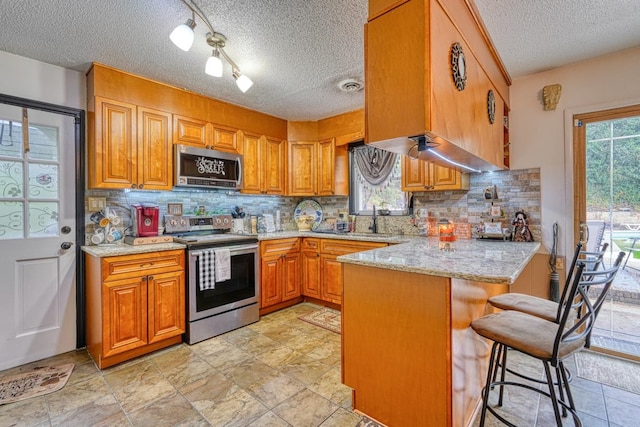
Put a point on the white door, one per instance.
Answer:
(37, 215)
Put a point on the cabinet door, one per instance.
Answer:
(331, 279)
(302, 174)
(269, 281)
(413, 174)
(166, 305)
(443, 178)
(251, 164)
(189, 131)
(224, 139)
(326, 167)
(291, 276)
(274, 166)
(112, 155)
(124, 315)
(311, 274)
(155, 164)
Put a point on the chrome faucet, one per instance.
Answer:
(374, 223)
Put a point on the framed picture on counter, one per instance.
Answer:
(493, 228)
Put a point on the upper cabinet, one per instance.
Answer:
(200, 133)
(129, 147)
(431, 70)
(420, 175)
(264, 164)
(134, 122)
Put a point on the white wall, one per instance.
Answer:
(38, 81)
(544, 138)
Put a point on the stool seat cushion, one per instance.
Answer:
(524, 303)
(526, 333)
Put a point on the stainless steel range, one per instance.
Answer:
(223, 275)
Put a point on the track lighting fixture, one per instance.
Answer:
(183, 35)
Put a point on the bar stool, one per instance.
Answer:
(548, 341)
(543, 308)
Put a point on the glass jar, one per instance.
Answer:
(446, 235)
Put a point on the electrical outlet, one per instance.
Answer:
(96, 204)
(560, 263)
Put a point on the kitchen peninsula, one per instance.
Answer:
(408, 351)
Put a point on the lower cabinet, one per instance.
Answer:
(331, 270)
(135, 304)
(279, 272)
(311, 267)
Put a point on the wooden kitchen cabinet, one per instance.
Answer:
(264, 164)
(311, 267)
(303, 174)
(202, 134)
(135, 304)
(331, 270)
(420, 175)
(318, 168)
(280, 274)
(410, 87)
(129, 147)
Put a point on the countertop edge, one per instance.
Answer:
(124, 249)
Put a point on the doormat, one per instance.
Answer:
(325, 317)
(42, 380)
(607, 370)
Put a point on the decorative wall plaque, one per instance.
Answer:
(458, 66)
(491, 106)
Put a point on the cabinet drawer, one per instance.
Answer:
(118, 267)
(310, 244)
(281, 245)
(342, 247)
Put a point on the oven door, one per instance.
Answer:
(241, 290)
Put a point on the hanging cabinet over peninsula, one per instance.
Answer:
(410, 86)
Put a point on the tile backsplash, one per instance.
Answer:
(516, 190)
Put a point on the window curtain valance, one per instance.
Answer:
(375, 165)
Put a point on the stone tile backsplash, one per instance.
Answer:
(517, 190)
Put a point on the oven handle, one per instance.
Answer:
(233, 249)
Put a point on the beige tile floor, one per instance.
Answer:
(280, 371)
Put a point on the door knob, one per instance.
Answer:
(66, 245)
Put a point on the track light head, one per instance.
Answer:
(243, 82)
(183, 35)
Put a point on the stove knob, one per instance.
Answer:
(173, 222)
(218, 221)
(226, 220)
(183, 222)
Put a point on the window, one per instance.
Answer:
(379, 184)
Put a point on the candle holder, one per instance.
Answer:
(446, 235)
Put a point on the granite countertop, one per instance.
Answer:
(118, 249)
(365, 237)
(477, 260)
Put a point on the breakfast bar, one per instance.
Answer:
(408, 351)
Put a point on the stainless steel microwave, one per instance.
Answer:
(203, 168)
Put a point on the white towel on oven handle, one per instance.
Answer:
(223, 265)
(206, 276)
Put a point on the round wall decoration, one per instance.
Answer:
(491, 106)
(458, 66)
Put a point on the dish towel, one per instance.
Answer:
(206, 260)
(223, 264)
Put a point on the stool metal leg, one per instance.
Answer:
(552, 393)
(487, 387)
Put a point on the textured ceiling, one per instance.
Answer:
(295, 51)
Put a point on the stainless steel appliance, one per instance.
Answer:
(229, 304)
(202, 168)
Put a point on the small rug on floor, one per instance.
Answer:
(609, 370)
(325, 317)
(42, 380)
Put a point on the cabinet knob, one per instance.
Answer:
(150, 277)
(140, 186)
(133, 186)
(144, 279)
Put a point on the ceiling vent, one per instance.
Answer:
(350, 85)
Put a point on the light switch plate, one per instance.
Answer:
(96, 203)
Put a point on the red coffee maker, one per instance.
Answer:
(145, 219)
